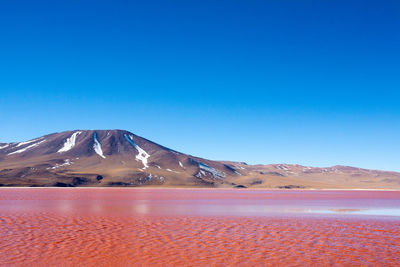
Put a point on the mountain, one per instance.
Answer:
(121, 158)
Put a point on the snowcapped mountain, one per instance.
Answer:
(103, 158)
(121, 158)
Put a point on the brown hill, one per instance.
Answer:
(120, 158)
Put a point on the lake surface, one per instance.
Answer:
(192, 227)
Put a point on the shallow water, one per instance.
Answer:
(103, 227)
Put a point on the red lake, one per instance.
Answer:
(194, 227)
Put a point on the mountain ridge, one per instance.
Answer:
(121, 158)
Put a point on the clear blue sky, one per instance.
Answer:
(309, 82)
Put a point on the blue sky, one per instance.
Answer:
(308, 82)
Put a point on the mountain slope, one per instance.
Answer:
(103, 158)
(120, 158)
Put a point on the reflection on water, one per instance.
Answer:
(192, 202)
(202, 202)
(376, 212)
(253, 210)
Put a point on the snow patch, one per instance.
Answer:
(239, 167)
(180, 164)
(67, 162)
(200, 174)
(172, 171)
(26, 148)
(211, 170)
(232, 169)
(1, 147)
(69, 143)
(142, 156)
(97, 146)
(205, 168)
(28, 142)
(282, 167)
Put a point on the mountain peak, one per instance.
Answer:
(121, 158)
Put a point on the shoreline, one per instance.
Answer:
(204, 188)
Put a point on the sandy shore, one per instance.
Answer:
(206, 188)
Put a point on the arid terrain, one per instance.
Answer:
(102, 158)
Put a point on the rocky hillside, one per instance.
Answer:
(121, 158)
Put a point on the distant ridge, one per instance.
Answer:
(121, 158)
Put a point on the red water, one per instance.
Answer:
(185, 227)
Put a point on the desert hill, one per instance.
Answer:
(121, 158)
